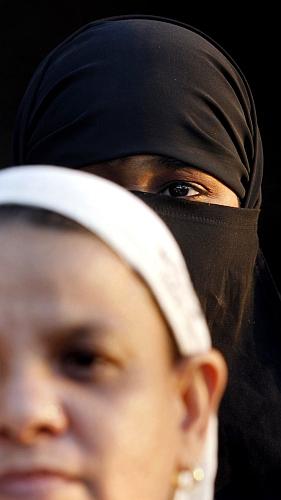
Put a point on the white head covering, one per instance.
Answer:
(142, 239)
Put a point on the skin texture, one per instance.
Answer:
(152, 174)
(87, 410)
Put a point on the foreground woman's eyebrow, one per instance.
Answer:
(59, 332)
(82, 330)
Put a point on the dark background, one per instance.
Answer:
(30, 29)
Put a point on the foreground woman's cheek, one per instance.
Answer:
(128, 440)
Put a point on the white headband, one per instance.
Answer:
(140, 237)
(127, 225)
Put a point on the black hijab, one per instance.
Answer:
(140, 84)
(92, 99)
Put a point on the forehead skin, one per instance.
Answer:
(150, 174)
(75, 275)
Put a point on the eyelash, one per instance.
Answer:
(185, 184)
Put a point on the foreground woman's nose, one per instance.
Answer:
(30, 409)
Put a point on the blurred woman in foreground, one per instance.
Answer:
(109, 387)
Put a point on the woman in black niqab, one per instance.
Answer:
(136, 85)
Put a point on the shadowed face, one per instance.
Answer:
(153, 174)
(89, 407)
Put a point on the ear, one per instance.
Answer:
(202, 381)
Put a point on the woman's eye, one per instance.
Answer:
(80, 363)
(179, 189)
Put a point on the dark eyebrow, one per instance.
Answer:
(171, 162)
(163, 160)
(80, 331)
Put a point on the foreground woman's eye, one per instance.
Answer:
(179, 189)
(80, 363)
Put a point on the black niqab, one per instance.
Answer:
(242, 306)
(146, 85)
